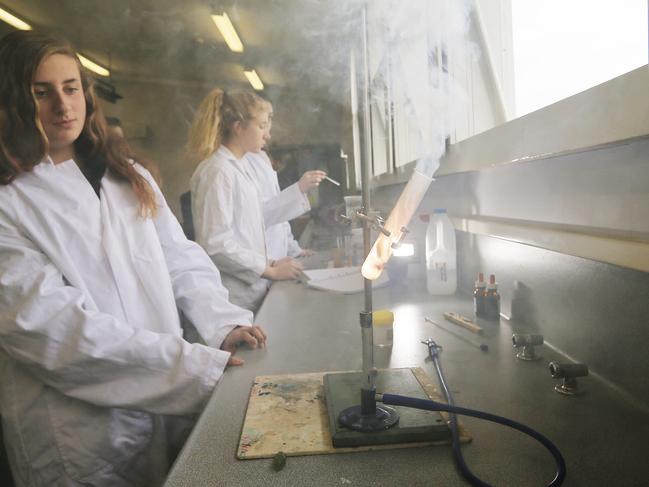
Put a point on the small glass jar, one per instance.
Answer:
(382, 327)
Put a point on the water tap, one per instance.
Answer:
(569, 374)
(525, 344)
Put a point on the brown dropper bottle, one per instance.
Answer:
(492, 300)
(479, 296)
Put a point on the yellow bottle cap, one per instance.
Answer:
(382, 317)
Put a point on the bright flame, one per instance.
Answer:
(401, 214)
(404, 250)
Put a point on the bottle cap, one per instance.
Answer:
(492, 282)
(480, 282)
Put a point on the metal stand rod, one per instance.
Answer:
(366, 156)
(369, 371)
(367, 416)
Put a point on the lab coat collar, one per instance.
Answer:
(225, 152)
(240, 165)
(48, 160)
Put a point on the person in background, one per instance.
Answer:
(94, 268)
(226, 206)
(116, 130)
(280, 206)
(286, 168)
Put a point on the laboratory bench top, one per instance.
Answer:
(601, 433)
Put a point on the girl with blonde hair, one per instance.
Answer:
(226, 207)
(280, 206)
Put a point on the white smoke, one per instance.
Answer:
(423, 39)
(413, 46)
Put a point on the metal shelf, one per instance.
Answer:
(630, 251)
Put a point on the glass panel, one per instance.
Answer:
(438, 72)
(564, 47)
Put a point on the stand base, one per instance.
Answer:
(354, 419)
(343, 398)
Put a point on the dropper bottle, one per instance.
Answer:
(492, 300)
(479, 296)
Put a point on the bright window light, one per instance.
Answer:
(563, 48)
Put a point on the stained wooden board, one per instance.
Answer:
(288, 413)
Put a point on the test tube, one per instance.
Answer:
(400, 216)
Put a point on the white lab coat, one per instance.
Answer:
(229, 225)
(91, 347)
(279, 207)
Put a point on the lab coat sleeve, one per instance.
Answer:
(293, 248)
(288, 204)
(196, 281)
(54, 330)
(213, 203)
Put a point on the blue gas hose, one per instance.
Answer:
(411, 402)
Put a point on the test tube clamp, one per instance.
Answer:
(375, 221)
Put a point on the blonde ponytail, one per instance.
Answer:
(214, 118)
(204, 135)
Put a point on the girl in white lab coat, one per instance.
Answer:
(226, 206)
(278, 207)
(281, 206)
(93, 270)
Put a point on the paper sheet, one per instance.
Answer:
(345, 280)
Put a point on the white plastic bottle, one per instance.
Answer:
(441, 259)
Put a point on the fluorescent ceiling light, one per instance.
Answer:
(92, 66)
(254, 79)
(14, 21)
(227, 31)
(22, 25)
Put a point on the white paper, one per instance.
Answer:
(345, 280)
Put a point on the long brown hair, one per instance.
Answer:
(214, 118)
(23, 143)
